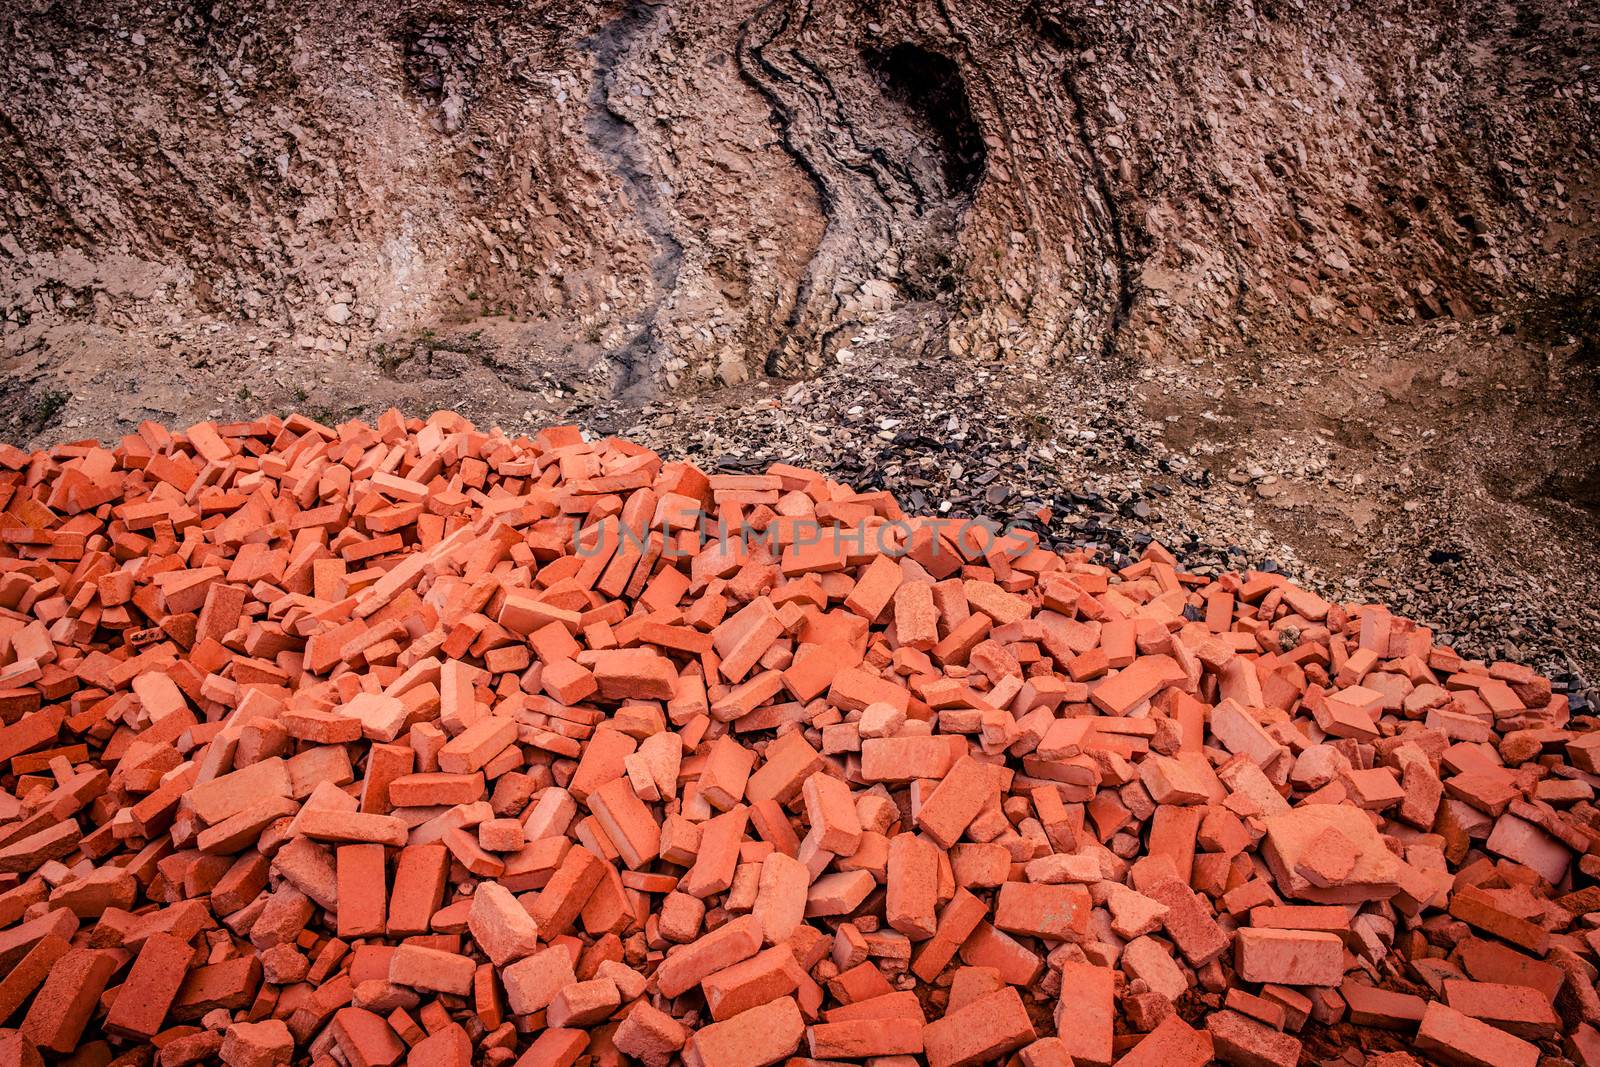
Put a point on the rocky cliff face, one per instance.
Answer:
(692, 192)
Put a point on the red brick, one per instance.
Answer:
(1172, 1044)
(64, 1004)
(1453, 1038)
(152, 984)
(985, 1030)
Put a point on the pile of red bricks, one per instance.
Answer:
(420, 743)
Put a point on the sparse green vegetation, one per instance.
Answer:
(389, 359)
(48, 407)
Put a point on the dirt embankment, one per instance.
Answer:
(1325, 265)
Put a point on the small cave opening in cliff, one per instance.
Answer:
(930, 87)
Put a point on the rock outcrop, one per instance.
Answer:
(689, 192)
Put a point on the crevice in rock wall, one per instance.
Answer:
(886, 132)
(612, 134)
(931, 86)
(925, 94)
(788, 98)
(1061, 270)
(1121, 302)
(757, 34)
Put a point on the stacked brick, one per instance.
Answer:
(414, 743)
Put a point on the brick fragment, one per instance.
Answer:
(780, 903)
(1384, 1008)
(532, 983)
(584, 1004)
(1289, 957)
(1191, 927)
(500, 925)
(627, 822)
(913, 886)
(431, 969)
(259, 1044)
(1056, 912)
(363, 891)
(723, 947)
(1172, 1044)
(1451, 1037)
(447, 1047)
(1515, 1009)
(30, 972)
(831, 811)
(366, 1039)
(62, 1007)
(230, 984)
(650, 1035)
(751, 982)
(146, 995)
(858, 1039)
(1239, 1040)
(1085, 1013)
(755, 1038)
(419, 883)
(986, 1029)
(956, 801)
